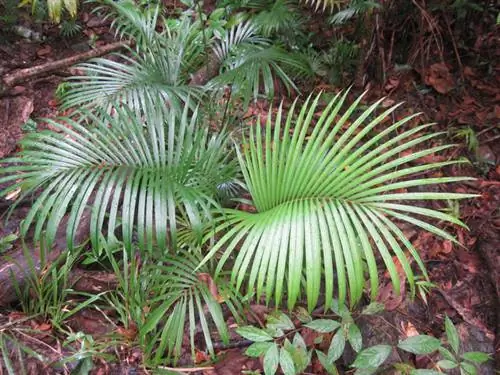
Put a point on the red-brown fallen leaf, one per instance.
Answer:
(85, 17)
(130, 333)
(447, 247)
(497, 111)
(212, 287)
(52, 103)
(388, 103)
(482, 115)
(44, 51)
(388, 296)
(469, 100)
(200, 356)
(438, 76)
(43, 327)
(246, 207)
(433, 158)
(468, 72)
(392, 84)
(16, 315)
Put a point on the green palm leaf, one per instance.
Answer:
(324, 198)
(325, 4)
(139, 83)
(133, 22)
(188, 302)
(143, 174)
(250, 65)
(157, 71)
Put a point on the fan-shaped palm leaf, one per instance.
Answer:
(325, 200)
(156, 73)
(278, 17)
(252, 72)
(132, 22)
(141, 82)
(244, 33)
(187, 298)
(250, 65)
(325, 4)
(138, 173)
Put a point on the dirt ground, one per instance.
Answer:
(467, 277)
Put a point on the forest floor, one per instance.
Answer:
(467, 277)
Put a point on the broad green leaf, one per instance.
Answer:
(299, 353)
(302, 315)
(468, 369)
(424, 372)
(271, 360)
(286, 362)
(323, 325)
(279, 320)
(365, 371)
(451, 335)
(447, 364)
(372, 357)
(420, 344)
(298, 341)
(477, 357)
(340, 309)
(373, 308)
(446, 354)
(275, 332)
(327, 365)
(258, 349)
(254, 334)
(354, 337)
(337, 346)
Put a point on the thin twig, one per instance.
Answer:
(186, 369)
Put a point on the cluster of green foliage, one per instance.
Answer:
(161, 167)
(273, 344)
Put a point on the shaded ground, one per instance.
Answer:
(467, 278)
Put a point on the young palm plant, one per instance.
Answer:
(181, 303)
(155, 70)
(326, 200)
(158, 68)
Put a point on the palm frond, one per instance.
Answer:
(325, 4)
(279, 17)
(157, 73)
(356, 7)
(252, 71)
(139, 83)
(132, 22)
(189, 305)
(325, 199)
(139, 173)
(244, 33)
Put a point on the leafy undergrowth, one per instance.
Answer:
(80, 314)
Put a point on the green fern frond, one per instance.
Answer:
(243, 34)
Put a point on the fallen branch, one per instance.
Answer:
(18, 264)
(23, 74)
